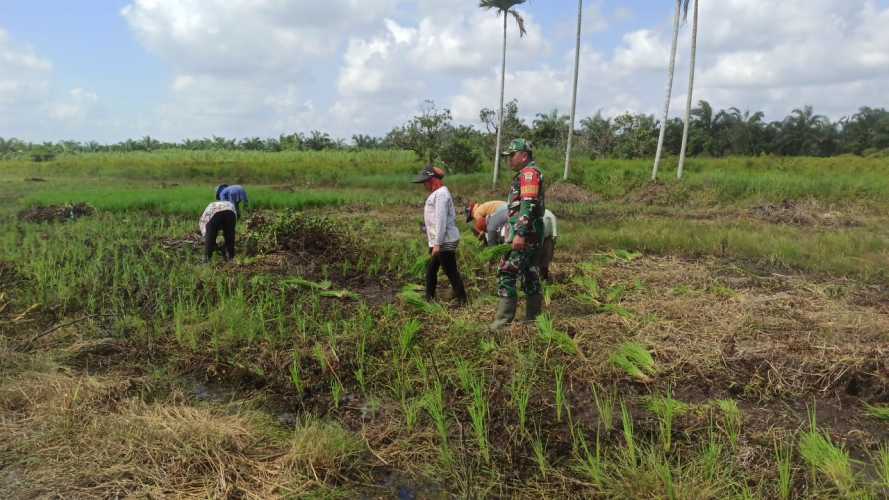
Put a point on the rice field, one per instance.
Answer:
(723, 337)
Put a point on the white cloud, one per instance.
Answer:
(30, 103)
(752, 54)
(262, 67)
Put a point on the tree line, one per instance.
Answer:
(431, 134)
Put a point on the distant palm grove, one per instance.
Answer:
(432, 134)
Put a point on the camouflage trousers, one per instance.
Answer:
(515, 264)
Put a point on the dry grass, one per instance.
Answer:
(84, 436)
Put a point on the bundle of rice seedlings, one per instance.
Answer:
(548, 333)
(491, 254)
(411, 296)
(634, 359)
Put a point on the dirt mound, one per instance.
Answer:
(57, 213)
(802, 214)
(564, 192)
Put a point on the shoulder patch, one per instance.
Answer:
(529, 183)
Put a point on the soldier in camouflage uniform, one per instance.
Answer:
(526, 206)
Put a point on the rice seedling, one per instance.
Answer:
(520, 388)
(411, 410)
(433, 403)
(784, 457)
(711, 458)
(823, 456)
(538, 446)
(605, 400)
(592, 464)
(629, 437)
(336, 392)
(666, 409)
(551, 291)
(589, 287)
(732, 420)
(882, 466)
(559, 373)
(407, 336)
(361, 369)
(549, 334)
(878, 411)
(487, 346)
(635, 360)
(296, 373)
(478, 407)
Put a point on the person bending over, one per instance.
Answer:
(493, 230)
(219, 216)
(235, 194)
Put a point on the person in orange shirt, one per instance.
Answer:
(478, 215)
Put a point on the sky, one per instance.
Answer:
(108, 70)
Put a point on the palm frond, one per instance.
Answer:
(520, 21)
(500, 5)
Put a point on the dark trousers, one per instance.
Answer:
(545, 257)
(224, 221)
(448, 260)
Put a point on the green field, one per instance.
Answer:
(719, 337)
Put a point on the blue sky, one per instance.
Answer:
(108, 70)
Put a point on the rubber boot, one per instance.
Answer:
(533, 307)
(505, 313)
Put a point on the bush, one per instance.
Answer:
(461, 157)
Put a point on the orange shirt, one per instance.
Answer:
(481, 212)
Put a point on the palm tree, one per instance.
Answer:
(681, 7)
(503, 7)
(574, 92)
(691, 87)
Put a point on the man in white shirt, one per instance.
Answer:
(440, 218)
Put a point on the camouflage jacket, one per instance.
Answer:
(526, 203)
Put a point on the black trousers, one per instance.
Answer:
(448, 260)
(545, 257)
(224, 221)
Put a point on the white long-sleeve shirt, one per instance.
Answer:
(440, 218)
(211, 210)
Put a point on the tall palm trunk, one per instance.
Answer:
(502, 90)
(670, 71)
(691, 87)
(574, 93)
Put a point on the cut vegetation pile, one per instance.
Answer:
(57, 213)
(808, 213)
(563, 192)
(299, 234)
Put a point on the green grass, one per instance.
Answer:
(191, 200)
(854, 252)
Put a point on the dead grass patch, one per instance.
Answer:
(65, 436)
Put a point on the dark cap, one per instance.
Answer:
(468, 211)
(429, 172)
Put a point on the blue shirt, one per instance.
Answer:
(235, 194)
